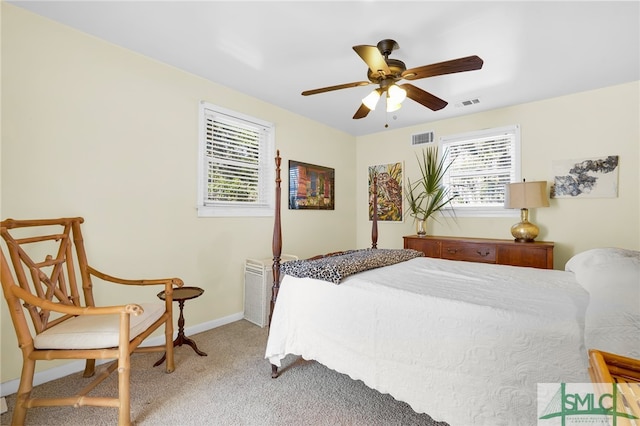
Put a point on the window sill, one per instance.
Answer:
(482, 212)
(208, 211)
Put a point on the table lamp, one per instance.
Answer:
(523, 196)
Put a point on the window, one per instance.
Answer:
(236, 167)
(483, 163)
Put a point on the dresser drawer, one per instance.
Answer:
(470, 252)
(531, 256)
(430, 247)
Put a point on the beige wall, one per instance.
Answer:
(590, 124)
(90, 129)
(94, 130)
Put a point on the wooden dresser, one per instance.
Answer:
(538, 254)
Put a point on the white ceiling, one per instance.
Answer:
(275, 50)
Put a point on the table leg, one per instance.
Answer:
(181, 338)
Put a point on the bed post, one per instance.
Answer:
(276, 244)
(374, 218)
(276, 247)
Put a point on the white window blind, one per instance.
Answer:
(483, 163)
(236, 164)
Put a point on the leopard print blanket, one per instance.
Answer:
(336, 267)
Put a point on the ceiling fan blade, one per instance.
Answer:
(468, 63)
(338, 87)
(362, 112)
(425, 98)
(373, 58)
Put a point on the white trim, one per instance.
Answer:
(11, 386)
(477, 134)
(244, 211)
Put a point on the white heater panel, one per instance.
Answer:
(258, 280)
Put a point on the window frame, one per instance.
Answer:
(266, 183)
(516, 169)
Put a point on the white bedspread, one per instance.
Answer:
(466, 343)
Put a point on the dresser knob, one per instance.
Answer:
(485, 254)
(452, 250)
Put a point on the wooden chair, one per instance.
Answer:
(606, 368)
(68, 325)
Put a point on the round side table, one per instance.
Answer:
(180, 295)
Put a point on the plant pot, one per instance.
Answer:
(421, 228)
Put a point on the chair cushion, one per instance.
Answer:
(96, 331)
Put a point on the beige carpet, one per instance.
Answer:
(230, 386)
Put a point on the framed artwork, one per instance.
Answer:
(390, 191)
(311, 187)
(585, 178)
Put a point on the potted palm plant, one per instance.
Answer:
(428, 195)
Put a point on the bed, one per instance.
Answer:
(466, 343)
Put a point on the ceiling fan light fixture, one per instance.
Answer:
(391, 106)
(396, 94)
(371, 100)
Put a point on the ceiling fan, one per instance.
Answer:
(386, 72)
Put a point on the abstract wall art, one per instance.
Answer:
(586, 178)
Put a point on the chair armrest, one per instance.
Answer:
(62, 308)
(176, 282)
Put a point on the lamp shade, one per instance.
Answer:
(392, 106)
(396, 94)
(371, 99)
(525, 195)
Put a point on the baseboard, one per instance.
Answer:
(11, 386)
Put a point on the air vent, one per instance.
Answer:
(422, 138)
(468, 102)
